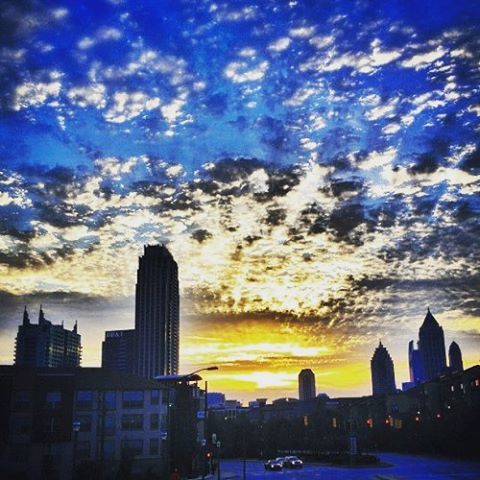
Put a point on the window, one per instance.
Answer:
(51, 425)
(84, 400)
(154, 444)
(134, 447)
(133, 399)
(109, 424)
(109, 449)
(165, 397)
(110, 400)
(19, 452)
(22, 400)
(85, 423)
(53, 400)
(83, 450)
(154, 421)
(155, 397)
(21, 424)
(132, 422)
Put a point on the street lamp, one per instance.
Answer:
(76, 429)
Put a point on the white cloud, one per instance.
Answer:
(279, 45)
(103, 34)
(247, 52)
(382, 110)
(240, 72)
(34, 94)
(89, 96)
(423, 60)
(300, 96)
(302, 32)
(321, 42)
(129, 105)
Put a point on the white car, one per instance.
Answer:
(292, 462)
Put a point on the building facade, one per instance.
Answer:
(156, 314)
(383, 375)
(117, 415)
(306, 384)
(46, 345)
(415, 364)
(432, 347)
(455, 361)
(118, 350)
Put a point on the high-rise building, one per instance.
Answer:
(383, 374)
(46, 345)
(118, 350)
(415, 363)
(432, 347)
(156, 313)
(455, 361)
(306, 384)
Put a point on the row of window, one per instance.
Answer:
(23, 424)
(20, 452)
(23, 399)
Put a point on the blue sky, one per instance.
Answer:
(311, 164)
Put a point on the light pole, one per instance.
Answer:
(174, 380)
(76, 429)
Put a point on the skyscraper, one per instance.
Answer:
(306, 384)
(455, 361)
(118, 350)
(415, 363)
(46, 345)
(383, 375)
(432, 347)
(156, 313)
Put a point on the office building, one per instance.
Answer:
(455, 361)
(432, 347)
(156, 313)
(118, 350)
(306, 384)
(383, 375)
(46, 345)
(415, 363)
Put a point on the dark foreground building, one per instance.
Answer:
(156, 313)
(432, 347)
(122, 422)
(306, 384)
(383, 375)
(118, 350)
(46, 345)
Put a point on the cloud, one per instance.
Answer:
(279, 45)
(37, 93)
(240, 72)
(423, 60)
(128, 105)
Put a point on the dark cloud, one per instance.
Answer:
(471, 163)
(425, 163)
(201, 235)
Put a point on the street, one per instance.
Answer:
(405, 467)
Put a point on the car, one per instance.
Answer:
(292, 462)
(275, 464)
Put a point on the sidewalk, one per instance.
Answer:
(223, 476)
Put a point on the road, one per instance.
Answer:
(405, 467)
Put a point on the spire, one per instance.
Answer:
(41, 316)
(75, 327)
(26, 318)
(429, 319)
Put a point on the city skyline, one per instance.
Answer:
(314, 169)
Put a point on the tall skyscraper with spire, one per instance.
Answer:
(45, 344)
(306, 384)
(383, 374)
(157, 308)
(455, 361)
(432, 347)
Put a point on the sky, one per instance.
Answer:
(313, 166)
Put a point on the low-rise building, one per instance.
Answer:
(116, 415)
